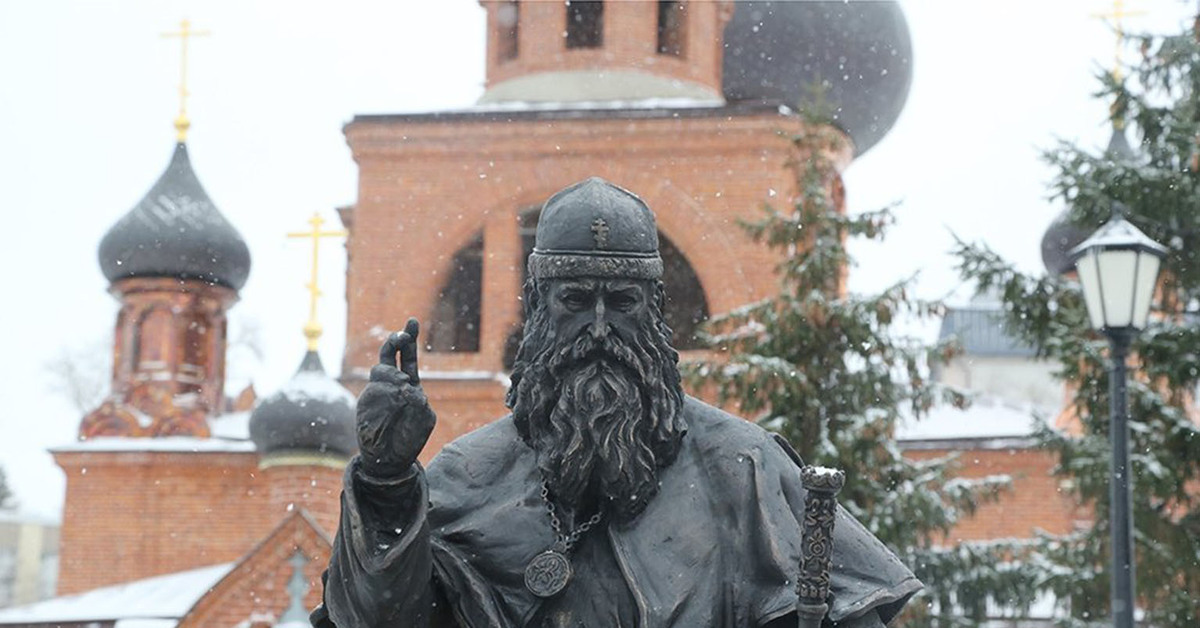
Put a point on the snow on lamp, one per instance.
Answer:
(1118, 267)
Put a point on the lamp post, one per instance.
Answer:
(1118, 267)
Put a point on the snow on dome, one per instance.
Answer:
(176, 232)
(311, 413)
(308, 386)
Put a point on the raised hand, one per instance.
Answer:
(394, 417)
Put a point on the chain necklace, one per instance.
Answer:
(549, 572)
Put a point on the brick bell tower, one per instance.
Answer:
(176, 265)
(150, 489)
(687, 104)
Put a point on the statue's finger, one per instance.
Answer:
(388, 374)
(408, 350)
(387, 351)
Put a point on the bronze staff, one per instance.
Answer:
(820, 507)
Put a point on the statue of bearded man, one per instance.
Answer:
(607, 498)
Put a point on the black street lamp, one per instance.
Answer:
(1118, 267)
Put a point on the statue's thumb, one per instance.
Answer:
(408, 351)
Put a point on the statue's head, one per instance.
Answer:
(596, 386)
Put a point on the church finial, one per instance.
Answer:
(1116, 15)
(312, 329)
(182, 123)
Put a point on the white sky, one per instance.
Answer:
(88, 93)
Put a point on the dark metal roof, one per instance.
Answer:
(980, 331)
(860, 51)
(176, 231)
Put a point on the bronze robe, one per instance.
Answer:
(718, 547)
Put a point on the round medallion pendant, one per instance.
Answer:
(547, 574)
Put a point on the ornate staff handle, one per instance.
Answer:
(820, 508)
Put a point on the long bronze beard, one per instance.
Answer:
(602, 414)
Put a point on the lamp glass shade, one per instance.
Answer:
(1089, 276)
(1118, 280)
(1144, 291)
(1118, 269)
(1118, 286)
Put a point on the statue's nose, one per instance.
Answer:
(599, 326)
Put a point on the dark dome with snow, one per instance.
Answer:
(312, 413)
(860, 51)
(177, 232)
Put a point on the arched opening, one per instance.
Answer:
(672, 21)
(508, 19)
(585, 24)
(193, 369)
(153, 339)
(455, 323)
(685, 305)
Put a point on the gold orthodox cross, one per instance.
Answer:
(312, 329)
(1116, 15)
(185, 31)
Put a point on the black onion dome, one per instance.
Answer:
(860, 51)
(312, 413)
(176, 231)
(1062, 236)
(1057, 242)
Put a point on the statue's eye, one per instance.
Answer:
(575, 299)
(622, 301)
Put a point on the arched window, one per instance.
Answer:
(585, 24)
(685, 308)
(196, 347)
(154, 339)
(455, 324)
(672, 20)
(508, 21)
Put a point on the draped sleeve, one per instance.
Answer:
(381, 569)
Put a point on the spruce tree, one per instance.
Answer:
(827, 370)
(1159, 184)
(5, 493)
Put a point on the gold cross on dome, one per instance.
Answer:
(1116, 15)
(312, 329)
(185, 32)
(600, 232)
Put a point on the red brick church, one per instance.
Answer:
(183, 509)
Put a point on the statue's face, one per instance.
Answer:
(599, 306)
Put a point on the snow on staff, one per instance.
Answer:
(820, 507)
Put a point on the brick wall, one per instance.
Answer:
(1037, 500)
(132, 515)
(315, 488)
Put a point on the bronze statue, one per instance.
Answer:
(607, 497)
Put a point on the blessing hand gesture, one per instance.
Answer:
(394, 417)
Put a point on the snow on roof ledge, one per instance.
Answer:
(174, 444)
(19, 516)
(641, 103)
(988, 417)
(159, 599)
